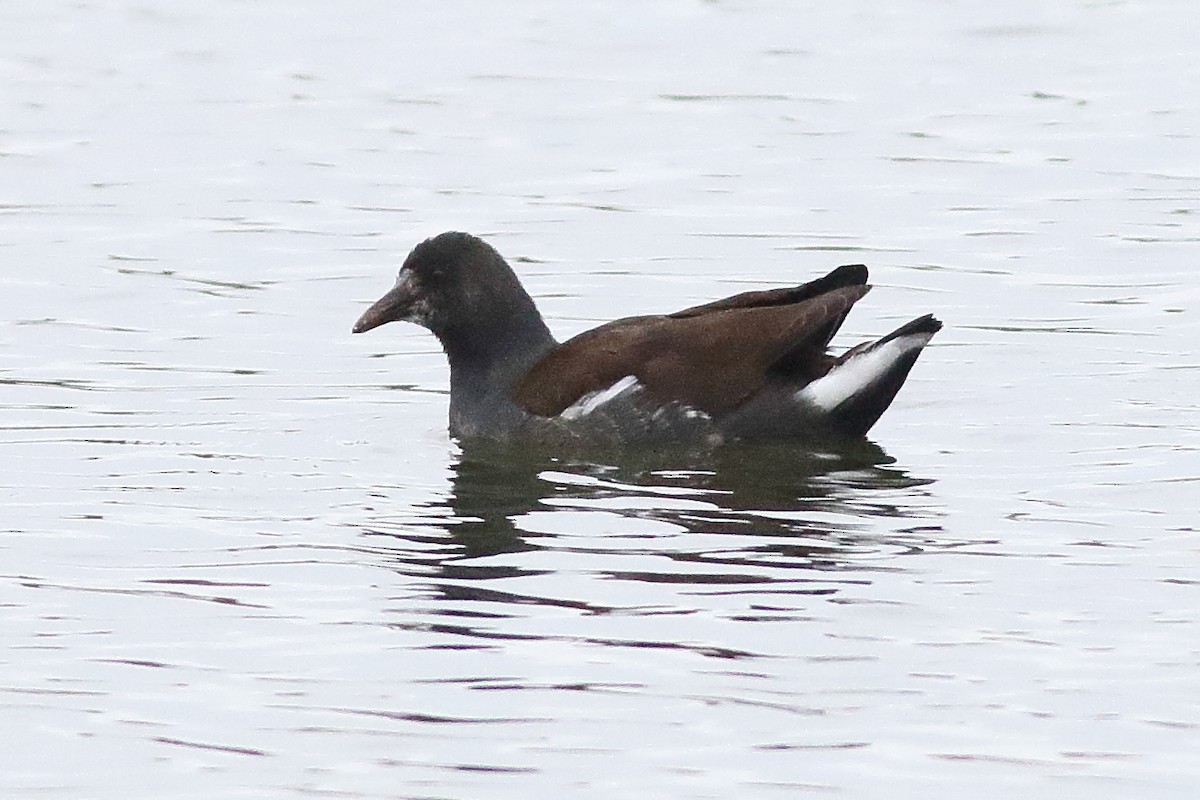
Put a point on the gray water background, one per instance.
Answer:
(242, 558)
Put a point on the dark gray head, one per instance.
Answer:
(450, 282)
(462, 290)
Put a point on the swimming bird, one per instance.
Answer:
(752, 366)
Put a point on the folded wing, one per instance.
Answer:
(712, 357)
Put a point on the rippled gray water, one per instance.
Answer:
(242, 558)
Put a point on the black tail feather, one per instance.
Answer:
(855, 415)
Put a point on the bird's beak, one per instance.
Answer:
(395, 305)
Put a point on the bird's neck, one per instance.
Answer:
(485, 363)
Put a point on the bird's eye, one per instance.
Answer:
(433, 275)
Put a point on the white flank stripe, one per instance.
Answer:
(859, 372)
(593, 400)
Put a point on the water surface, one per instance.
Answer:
(242, 558)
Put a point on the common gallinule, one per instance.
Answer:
(751, 366)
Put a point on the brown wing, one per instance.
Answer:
(847, 275)
(712, 357)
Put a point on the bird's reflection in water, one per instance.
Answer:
(776, 490)
(770, 523)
